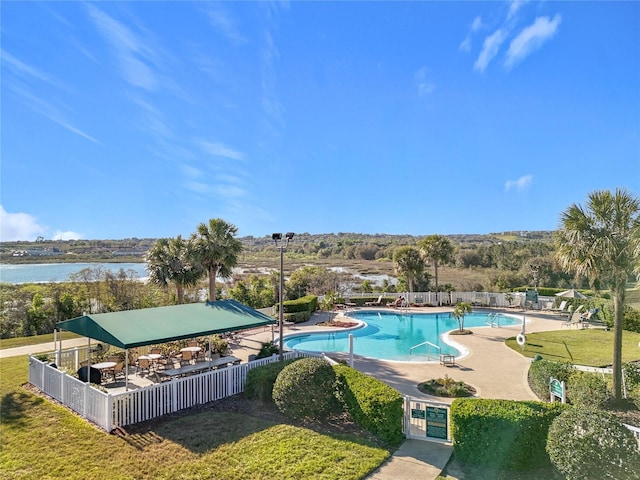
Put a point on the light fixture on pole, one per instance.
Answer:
(277, 238)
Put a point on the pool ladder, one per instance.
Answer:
(493, 319)
(428, 344)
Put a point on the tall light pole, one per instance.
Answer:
(277, 238)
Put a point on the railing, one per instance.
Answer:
(109, 411)
(428, 344)
(635, 431)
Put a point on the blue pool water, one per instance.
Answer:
(390, 335)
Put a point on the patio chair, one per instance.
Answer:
(156, 350)
(192, 344)
(374, 304)
(187, 356)
(144, 364)
(117, 370)
(492, 301)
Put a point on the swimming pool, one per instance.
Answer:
(390, 335)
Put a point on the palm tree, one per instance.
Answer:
(217, 249)
(172, 260)
(459, 311)
(410, 264)
(602, 243)
(437, 249)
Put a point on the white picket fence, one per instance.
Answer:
(110, 411)
(480, 299)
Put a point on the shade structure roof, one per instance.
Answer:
(571, 293)
(147, 326)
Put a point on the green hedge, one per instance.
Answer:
(502, 434)
(298, 317)
(308, 303)
(541, 372)
(372, 404)
(300, 309)
(260, 380)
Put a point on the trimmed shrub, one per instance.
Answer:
(297, 317)
(540, 373)
(305, 389)
(502, 434)
(268, 349)
(587, 443)
(260, 381)
(584, 388)
(308, 303)
(631, 372)
(371, 403)
(300, 309)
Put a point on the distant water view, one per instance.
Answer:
(59, 272)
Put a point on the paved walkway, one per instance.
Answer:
(489, 365)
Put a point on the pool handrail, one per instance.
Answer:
(437, 347)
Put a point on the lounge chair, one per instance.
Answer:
(374, 304)
(561, 308)
(587, 317)
(574, 318)
(516, 302)
(396, 303)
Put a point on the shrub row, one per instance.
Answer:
(503, 434)
(372, 404)
(300, 310)
(582, 388)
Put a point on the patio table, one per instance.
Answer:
(191, 349)
(153, 358)
(198, 367)
(103, 367)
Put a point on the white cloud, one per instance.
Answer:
(221, 21)
(490, 49)
(425, 87)
(520, 184)
(68, 235)
(220, 150)
(22, 69)
(531, 38)
(130, 52)
(514, 7)
(476, 25)
(19, 226)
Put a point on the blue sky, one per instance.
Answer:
(144, 119)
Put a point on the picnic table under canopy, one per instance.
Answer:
(136, 328)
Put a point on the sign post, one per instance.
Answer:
(557, 390)
(437, 422)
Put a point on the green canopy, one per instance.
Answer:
(135, 328)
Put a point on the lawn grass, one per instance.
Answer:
(590, 347)
(33, 340)
(41, 439)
